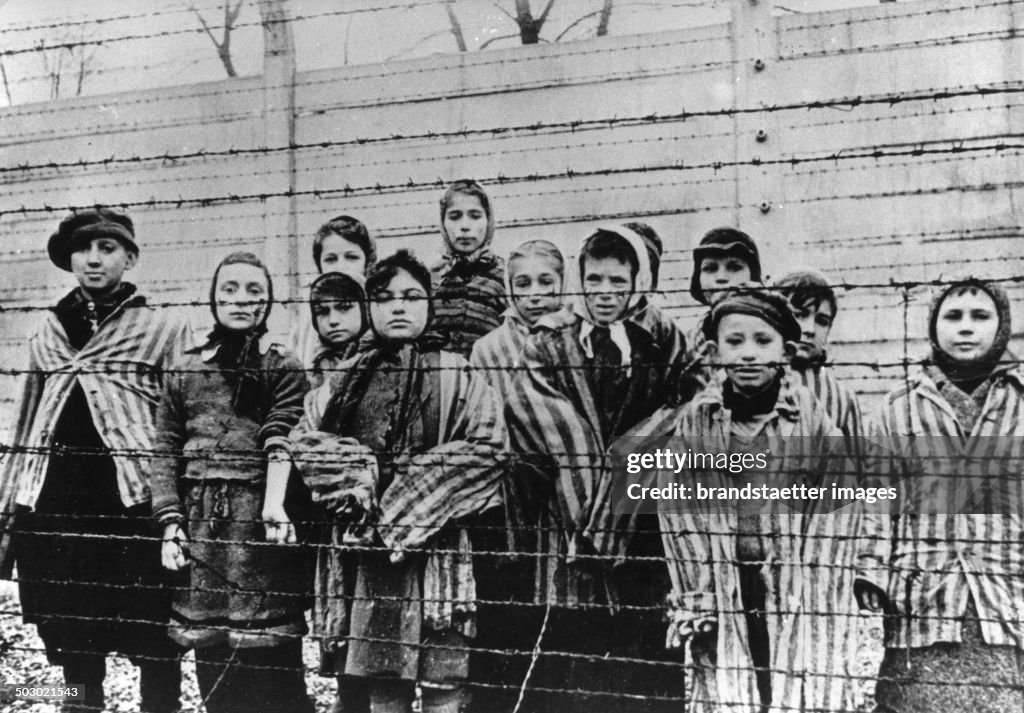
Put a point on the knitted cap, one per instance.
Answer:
(1002, 303)
(757, 303)
(82, 226)
(719, 242)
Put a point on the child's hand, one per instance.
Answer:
(172, 552)
(279, 527)
(869, 596)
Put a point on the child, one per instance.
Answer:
(813, 303)
(763, 597)
(223, 425)
(469, 282)
(417, 429)
(536, 271)
(337, 302)
(588, 377)
(950, 582)
(726, 258)
(342, 244)
(87, 568)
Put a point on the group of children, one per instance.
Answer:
(427, 468)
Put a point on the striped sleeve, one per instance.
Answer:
(544, 422)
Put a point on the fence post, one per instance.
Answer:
(754, 54)
(279, 212)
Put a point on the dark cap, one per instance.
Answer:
(756, 302)
(85, 225)
(724, 241)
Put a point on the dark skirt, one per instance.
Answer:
(387, 635)
(951, 677)
(89, 571)
(241, 591)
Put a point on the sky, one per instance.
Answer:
(144, 44)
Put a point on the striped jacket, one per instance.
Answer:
(121, 372)
(454, 478)
(950, 539)
(552, 414)
(808, 570)
(840, 402)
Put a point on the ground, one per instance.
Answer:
(24, 662)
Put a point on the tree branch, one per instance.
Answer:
(460, 40)
(544, 15)
(576, 22)
(413, 46)
(507, 13)
(495, 39)
(206, 27)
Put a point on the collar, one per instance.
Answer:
(208, 352)
(787, 405)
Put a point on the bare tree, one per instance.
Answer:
(68, 60)
(223, 45)
(453, 21)
(7, 86)
(530, 26)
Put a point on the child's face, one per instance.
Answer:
(815, 324)
(400, 310)
(341, 255)
(751, 349)
(536, 287)
(967, 324)
(607, 287)
(241, 294)
(465, 222)
(101, 263)
(720, 272)
(338, 322)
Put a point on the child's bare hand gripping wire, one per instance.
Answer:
(174, 551)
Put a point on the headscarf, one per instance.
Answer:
(337, 287)
(238, 353)
(641, 286)
(724, 241)
(968, 374)
(482, 256)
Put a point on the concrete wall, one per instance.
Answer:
(880, 160)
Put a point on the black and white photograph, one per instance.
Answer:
(512, 356)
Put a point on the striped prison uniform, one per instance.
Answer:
(120, 370)
(957, 533)
(807, 567)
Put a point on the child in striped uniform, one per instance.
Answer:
(762, 594)
(813, 303)
(725, 258)
(342, 245)
(946, 569)
(588, 377)
(536, 271)
(469, 282)
(421, 442)
(219, 492)
(88, 569)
